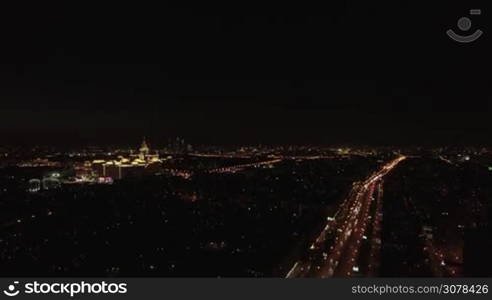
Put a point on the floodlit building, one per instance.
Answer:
(34, 185)
(135, 165)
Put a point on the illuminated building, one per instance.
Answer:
(83, 170)
(51, 183)
(144, 156)
(34, 185)
(135, 165)
(38, 162)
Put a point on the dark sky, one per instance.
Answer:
(344, 72)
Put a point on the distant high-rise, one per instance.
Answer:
(178, 145)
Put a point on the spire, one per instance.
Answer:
(144, 143)
(144, 149)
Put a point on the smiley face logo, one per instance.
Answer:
(464, 24)
(11, 290)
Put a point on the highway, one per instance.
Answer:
(273, 159)
(349, 245)
(237, 168)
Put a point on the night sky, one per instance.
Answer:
(345, 72)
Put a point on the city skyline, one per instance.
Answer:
(306, 211)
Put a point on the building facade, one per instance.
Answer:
(141, 163)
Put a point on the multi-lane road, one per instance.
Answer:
(349, 244)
